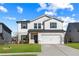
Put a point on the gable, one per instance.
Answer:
(52, 20)
(45, 18)
(41, 18)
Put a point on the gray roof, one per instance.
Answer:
(5, 27)
(73, 25)
(42, 30)
(27, 21)
(51, 17)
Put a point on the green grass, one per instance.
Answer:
(14, 48)
(73, 45)
(22, 55)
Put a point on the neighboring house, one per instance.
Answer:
(42, 30)
(5, 34)
(72, 33)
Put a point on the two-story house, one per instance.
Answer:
(5, 34)
(42, 30)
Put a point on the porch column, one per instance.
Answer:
(30, 39)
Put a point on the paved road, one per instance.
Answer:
(58, 50)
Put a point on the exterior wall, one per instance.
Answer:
(74, 35)
(0, 28)
(1, 40)
(59, 25)
(30, 40)
(30, 26)
(21, 30)
(6, 36)
(19, 35)
(57, 34)
(40, 20)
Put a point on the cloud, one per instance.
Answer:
(9, 18)
(49, 13)
(54, 6)
(67, 20)
(3, 9)
(42, 6)
(19, 9)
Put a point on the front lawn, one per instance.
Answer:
(14, 48)
(73, 45)
(21, 55)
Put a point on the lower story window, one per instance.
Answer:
(23, 37)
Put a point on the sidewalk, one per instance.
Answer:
(7, 54)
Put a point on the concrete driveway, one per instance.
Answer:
(58, 50)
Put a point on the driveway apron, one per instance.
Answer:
(58, 50)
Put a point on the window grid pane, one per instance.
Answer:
(39, 25)
(35, 25)
(24, 25)
(53, 25)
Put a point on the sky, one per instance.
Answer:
(12, 12)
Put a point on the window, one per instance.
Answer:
(23, 37)
(35, 25)
(53, 25)
(39, 25)
(24, 25)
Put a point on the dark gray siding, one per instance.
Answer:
(72, 33)
(5, 34)
(0, 28)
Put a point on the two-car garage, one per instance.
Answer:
(50, 38)
(47, 36)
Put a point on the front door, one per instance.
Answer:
(36, 38)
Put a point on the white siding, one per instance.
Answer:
(46, 25)
(22, 30)
(59, 24)
(40, 20)
(19, 35)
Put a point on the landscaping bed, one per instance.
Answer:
(16, 48)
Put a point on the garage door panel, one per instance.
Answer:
(49, 39)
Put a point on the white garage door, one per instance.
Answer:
(49, 39)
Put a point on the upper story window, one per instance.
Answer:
(39, 25)
(35, 25)
(53, 25)
(24, 25)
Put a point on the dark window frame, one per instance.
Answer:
(24, 37)
(23, 25)
(35, 25)
(39, 25)
(53, 25)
